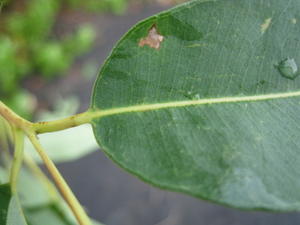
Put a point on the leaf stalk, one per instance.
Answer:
(18, 158)
(21, 127)
(67, 193)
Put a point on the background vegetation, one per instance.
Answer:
(30, 47)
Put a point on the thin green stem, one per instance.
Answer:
(18, 158)
(5, 139)
(14, 119)
(6, 132)
(23, 126)
(56, 125)
(67, 193)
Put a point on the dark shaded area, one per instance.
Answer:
(5, 196)
(112, 195)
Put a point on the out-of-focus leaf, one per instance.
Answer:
(80, 41)
(51, 59)
(50, 214)
(10, 209)
(32, 192)
(42, 205)
(34, 23)
(3, 176)
(117, 6)
(23, 103)
(28, 48)
(2, 2)
(8, 66)
(66, 145)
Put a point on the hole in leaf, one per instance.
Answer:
(153, 39)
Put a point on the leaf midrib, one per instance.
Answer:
(98, 113)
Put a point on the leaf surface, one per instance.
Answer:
(10, 209)
(196, 100)
(49, 214)
(52, 214)
(27, 184)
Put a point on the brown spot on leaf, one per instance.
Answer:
(153, 39)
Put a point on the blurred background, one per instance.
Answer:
(50, 54)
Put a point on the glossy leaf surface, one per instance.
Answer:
(196, 100)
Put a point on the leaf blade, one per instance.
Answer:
(228, 153)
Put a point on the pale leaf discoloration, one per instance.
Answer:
(265, 25)
(153, 40)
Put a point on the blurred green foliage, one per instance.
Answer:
(116, 6)
(27, 47)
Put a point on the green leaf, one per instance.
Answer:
(49, 214)
(5, 196)
(45, 205)
(52, 214)
(10, 209)
(30, 184)
(3, 176)
(199, 104)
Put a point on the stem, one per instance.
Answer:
(23, 126)
(17, 160)
(6, 134)
(56, 125)
(5, 138)
(67, 193)
(14, 119)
